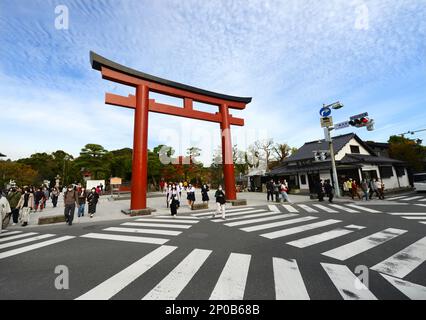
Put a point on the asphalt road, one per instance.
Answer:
(300, 251)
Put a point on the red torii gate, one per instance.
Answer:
(144, 83)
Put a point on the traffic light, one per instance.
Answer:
(362, 122)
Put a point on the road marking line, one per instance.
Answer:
(119, 281)
(232, 280)
(277, 224)
(177, 217)
(407, 213)
(168, 220)
(307, 209)
(413, 198)
(289, 208)
(344, 208)
(421, 205)
(247, 213)
(18, 242)
(273, 208)
(150, 231)
(415, 217)
(354, 226)
(306, 227)
(33, 247)
(318, 238)
(170, 287)
(411, 290)
(161, 225)
(209, 213)
(359, 246)
(240, 223)
(363, 208)
(247, 217)
(423, 222)
(348, 285)
(423, 200)
(289, 284)
(8, 233)
(405, 261)
(18, 236)
(396, 198)
(326, 209)
(104, 236)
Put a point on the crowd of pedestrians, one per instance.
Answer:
(279, 189)
(18, 203)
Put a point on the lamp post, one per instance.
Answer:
(66, 158)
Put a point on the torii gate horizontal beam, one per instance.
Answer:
(187, 111)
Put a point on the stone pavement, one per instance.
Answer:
(108, 209)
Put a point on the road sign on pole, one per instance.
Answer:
(326, 122)
(325, 112)
(341, 125)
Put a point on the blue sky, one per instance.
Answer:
(290, 56)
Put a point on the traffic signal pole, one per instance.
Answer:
(333, 161)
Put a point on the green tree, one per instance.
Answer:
(22, 174)
(409, 151)
(94, 158)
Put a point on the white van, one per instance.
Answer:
(420, 181)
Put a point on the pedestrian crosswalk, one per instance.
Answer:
(149, 230)
(13, 243)
(231, 277)
(417, 198)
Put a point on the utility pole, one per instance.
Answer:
(333, 161)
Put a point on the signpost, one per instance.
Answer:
(341, 125)
(326, 122)
(325, 112)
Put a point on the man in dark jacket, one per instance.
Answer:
(270, 190)
(329, 190)
(70, 201)
(14, 196)
(320, 191)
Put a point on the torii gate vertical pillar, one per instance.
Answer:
(227, 160)
(140, 149)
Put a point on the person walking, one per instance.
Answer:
(381, 189)
(191, 195)
(329, 190)
(70, 202)
(373, 189)
(54, 195)
(168, 194)
(82, 195)
(5, 212)
(26, 204)
(174, 200)
(13, 197)
(355, 190)
(277, 186)
(320, 191)
(270, 190)
(220, 202)
(364, 187)
(284, 190)
(92, 201)
(46, 196)
(39, 199)
(204, 193)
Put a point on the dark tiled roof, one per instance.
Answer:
(361, 158)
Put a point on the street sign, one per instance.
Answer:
(362, 115)
(326, 122)
(325, 112)
(341, 125)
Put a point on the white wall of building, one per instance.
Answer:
(392, 182)
(303, 186)
(347, 150)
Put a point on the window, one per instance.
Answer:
(303, 179)
(400, 171)
(354, 149)
(386, 172)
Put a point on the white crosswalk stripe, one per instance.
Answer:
(277, 224)
(289, 283)
(273, 208)
(396, 198)
(289, 208)
(168, 220)
(257, 215)
(306, 227)
(359, 246)
(170, 287)
(148, 231)
(31, 247)
(423, 200)
(209, 213)
(348, 285)
(344, 208)
(8, 233)
(118, 282)
(413, 198)
(177, 217)
(232, 280)
(319, 238)
(415, 217)
(114, 237)
(239, 214)
(22, 241)
(161, 225)
(363, 208)
(23, 235)
(407, 213)
(324, 208)
(307, 208)
(405, 261)
(250, 221)
(411, 290)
